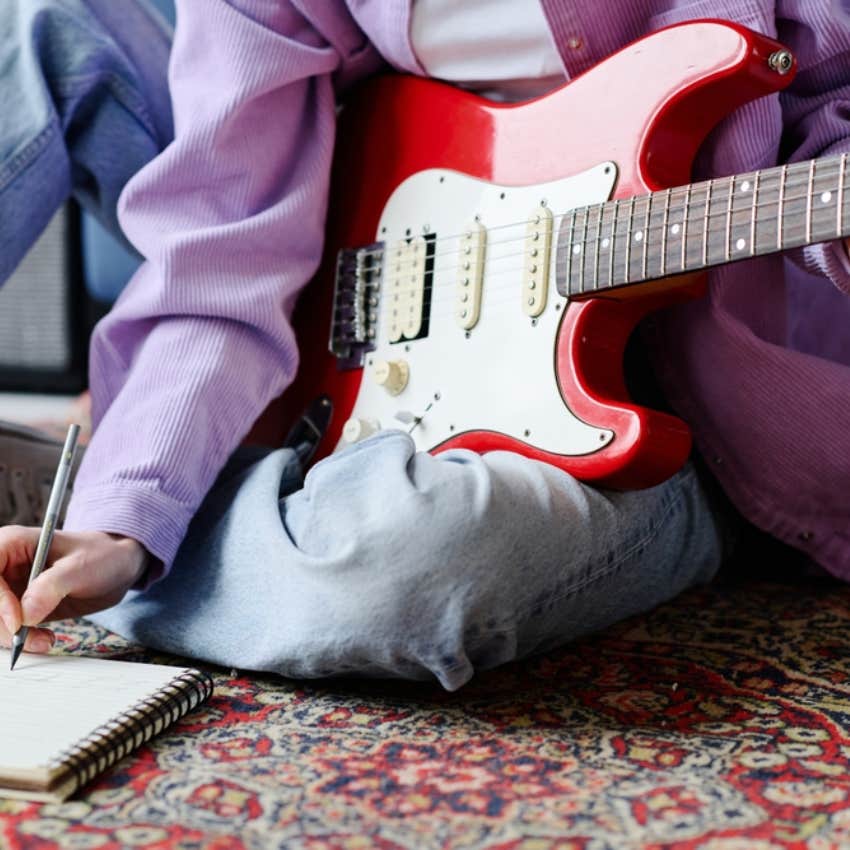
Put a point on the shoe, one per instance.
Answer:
(28, 462)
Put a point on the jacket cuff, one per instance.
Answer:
(157, 521)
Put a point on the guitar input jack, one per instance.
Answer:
(781, 61)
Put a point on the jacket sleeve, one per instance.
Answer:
(230, 219)
(816, 107)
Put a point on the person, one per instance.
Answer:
(381, 561)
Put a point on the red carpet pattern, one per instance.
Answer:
(719, 722)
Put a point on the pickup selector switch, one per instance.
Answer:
(392, 375)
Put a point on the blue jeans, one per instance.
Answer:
(85, 105)
(382, 561)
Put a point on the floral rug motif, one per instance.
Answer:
(720, 721)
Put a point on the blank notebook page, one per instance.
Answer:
(48, 703)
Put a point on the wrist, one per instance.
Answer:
(137, 557)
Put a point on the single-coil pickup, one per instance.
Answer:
(470, 275)
(535, 273)
(405, 288)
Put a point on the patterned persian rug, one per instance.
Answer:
(720, 721)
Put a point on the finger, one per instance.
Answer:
(17, 548)
(38, 640)
(10, 608)
(17, 545)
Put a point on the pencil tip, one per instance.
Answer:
(16, 652)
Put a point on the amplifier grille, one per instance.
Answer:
(42, 335)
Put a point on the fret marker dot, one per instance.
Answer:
(606, 242)
(745, 186)
(826, 197)
(675, 229)
(638, 235)
(740, 244)
(576, 249)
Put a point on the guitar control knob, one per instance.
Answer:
(392, 375)
(357, 429)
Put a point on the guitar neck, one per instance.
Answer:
(688, 228)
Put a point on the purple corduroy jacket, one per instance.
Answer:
(230, 218)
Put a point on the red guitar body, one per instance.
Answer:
(647, 108)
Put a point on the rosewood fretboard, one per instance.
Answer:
(692, 227)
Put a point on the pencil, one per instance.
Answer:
(51, 515)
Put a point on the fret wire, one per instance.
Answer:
(754, 212)
(711, 262)
(571, 257)
(569, 274)
(715, 215)
(809, 202)
(645, 236)
(718, 182)
(779, 208)
(599, 209)
(583, 253)
(823, 214)
(665, 221)
(696, 209)
(685, 228)
(613, 237)
(790, 237)
(728, 249)
(826, 168)
(629, 226)
(609, 211)
(789, 177)
(705, 223)
(794, 176)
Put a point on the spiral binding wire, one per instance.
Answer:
(120, 736)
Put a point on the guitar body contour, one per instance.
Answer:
(646, 109)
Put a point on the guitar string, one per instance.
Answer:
(733, 221)
(794, 180)
(739, 218)
(511, 292)
(729, 213)
(765, 229)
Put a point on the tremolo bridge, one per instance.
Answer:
(357, 292)
(396, 279)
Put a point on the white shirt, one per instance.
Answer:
(502, 49)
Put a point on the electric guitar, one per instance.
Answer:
(486, 263)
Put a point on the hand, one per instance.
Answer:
(85, 572)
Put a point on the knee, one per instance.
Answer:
(422, 558)
(91, 50)
(425, 526)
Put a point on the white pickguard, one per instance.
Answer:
(500, 375)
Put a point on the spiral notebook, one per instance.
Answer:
(65, 719)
